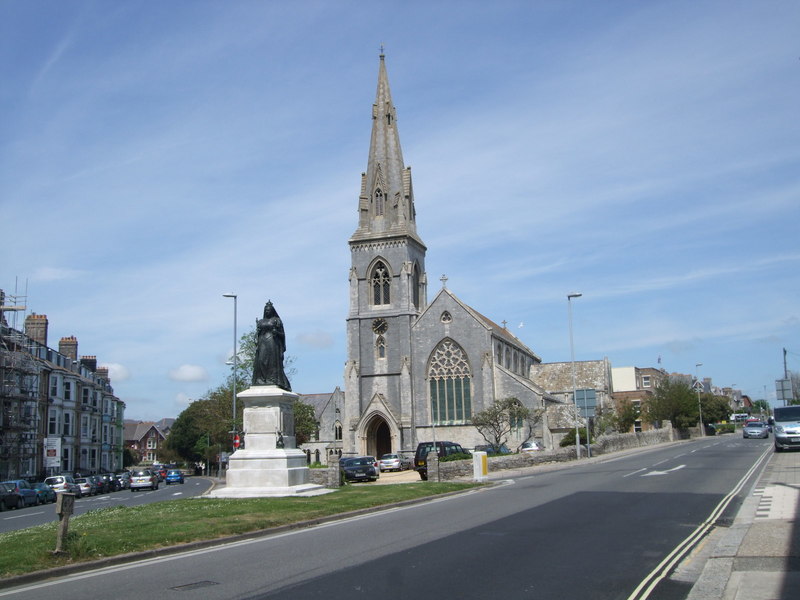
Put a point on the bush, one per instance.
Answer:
(460, 456)
(569, 439)
(725, 428)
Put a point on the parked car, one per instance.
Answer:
(160, 471)
(124, 480)
(24, 494)
(100, 483)
(64, 483)
(394, 462)
(143, 478)
(8, 498)
(359, 468)
(87, 486)
(441, 448)
(755, 429)
(786, 427)
(489, 449)
(111, 482)
(174, 476)
(45, 492)
(531, 446)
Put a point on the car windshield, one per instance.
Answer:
(355, 462)
(142, 474)
(173, 472)
(755, 424)
(388, 456)
(787, 413)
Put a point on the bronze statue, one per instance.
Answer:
(270, 346)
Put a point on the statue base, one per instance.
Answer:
(269, 465)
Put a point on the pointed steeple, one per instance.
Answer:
(386, 202)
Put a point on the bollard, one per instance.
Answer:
(65, 504)
(480, 466)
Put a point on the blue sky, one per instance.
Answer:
(155, 155)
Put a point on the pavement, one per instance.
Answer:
(758, 556)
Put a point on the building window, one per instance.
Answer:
(380, 347)
(67, 424)
(415, 285)
(378, 203)
(446, 317)
(381, 281)
(637, 426)
(52, 423)
(151, 443)
(646, 381)
(450, 384)
(84, 426)
(337, 431)
(54, 386)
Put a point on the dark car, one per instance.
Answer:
(24, 494)
(441, 448)
(100, 483)
(8, 498)
(360, 468)
(174, 476)
(490, 449)
(112, 483)
(45, 492)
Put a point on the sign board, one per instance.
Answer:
(783, 390)
(52, 452)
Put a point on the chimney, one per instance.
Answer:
(68, 346)
(36, 328)
(90, 362)
(102, 372)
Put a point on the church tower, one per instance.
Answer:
(388, 291)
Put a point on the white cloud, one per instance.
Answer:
(117, 372)
(189, 373)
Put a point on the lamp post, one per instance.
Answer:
(572, 356)
(235, 357)
(699, 406)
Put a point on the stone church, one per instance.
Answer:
(416, 370)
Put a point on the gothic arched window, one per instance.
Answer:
(450, 380)
(381, 281)
(380, 347)
(415, 287)
(379, 202)
(337, 431)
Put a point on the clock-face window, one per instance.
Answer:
(379, 326)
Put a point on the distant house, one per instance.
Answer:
(326, 446)
(145, 438)
(635, 385)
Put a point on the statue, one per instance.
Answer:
(270, 346)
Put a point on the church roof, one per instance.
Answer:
(500, 332)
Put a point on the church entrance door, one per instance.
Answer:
(379, 438)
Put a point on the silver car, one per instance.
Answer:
(143, 478)
(394, 462)
(755, 429)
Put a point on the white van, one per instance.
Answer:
(786, 430)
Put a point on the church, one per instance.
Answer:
(416, 370)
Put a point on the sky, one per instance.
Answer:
(157, 155)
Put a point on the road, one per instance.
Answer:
(592, 530)
(37, 515)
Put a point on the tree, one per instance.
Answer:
(673, 401)
(498, 420)
(625, 417)
(715, 408)
(305, 422)
(761, 407)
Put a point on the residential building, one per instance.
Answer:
(635, 385)
(145, 439)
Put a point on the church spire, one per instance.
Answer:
(386, 202)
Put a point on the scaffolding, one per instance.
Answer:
(20, 434)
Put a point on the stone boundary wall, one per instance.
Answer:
(606, 444)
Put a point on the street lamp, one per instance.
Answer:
(235, 357)
(699, 406)
(574, 394)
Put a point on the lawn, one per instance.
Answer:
(119, 530)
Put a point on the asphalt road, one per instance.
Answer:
(591, 530)
(30, 516)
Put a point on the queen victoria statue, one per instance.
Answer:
(270, 347)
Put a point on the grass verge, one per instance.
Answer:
(119, 530)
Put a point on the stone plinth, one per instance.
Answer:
(270, 463)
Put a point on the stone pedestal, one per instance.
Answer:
(270, 463)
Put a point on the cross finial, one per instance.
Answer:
(381, 49)
(443, 279)
(504, 324)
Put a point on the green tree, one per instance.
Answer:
(761, 407)
(673, 401)
(715, 408)
(498, 420)
(569, 438)
(305, 422)
(627, 414)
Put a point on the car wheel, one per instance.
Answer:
(778, 448)
(20, 503)
(423, 476)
